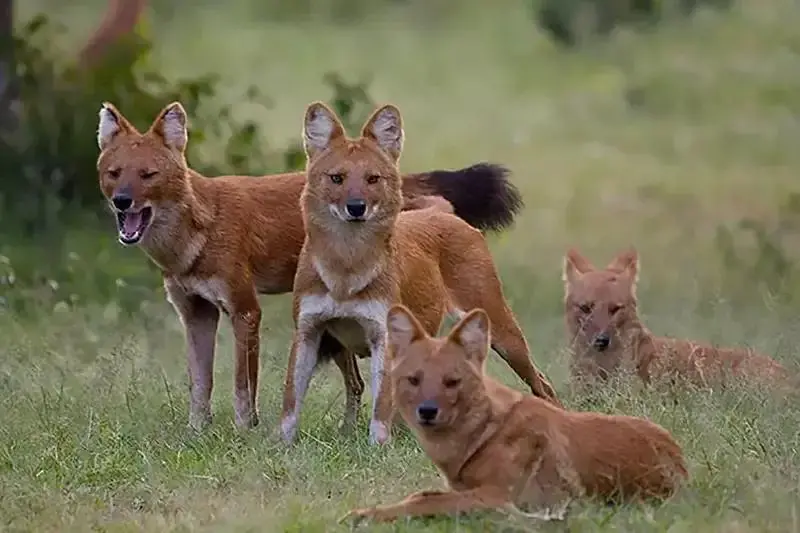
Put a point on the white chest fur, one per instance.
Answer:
(358, 324)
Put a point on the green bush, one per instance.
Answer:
(47, 163)
(571, 22)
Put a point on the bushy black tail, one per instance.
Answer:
(481, 194)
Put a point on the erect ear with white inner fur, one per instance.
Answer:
(110, 125)
(575, 265)
(171, 126)
(403, 329)
(385, 127)
(321, 126)
(472, 333)
(627, 263)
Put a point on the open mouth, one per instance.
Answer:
(133, 224)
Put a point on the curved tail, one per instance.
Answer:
(481, 194)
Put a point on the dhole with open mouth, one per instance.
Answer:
(219, 242)
(361, 255)
(500, 449)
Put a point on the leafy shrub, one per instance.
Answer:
(50, 157)
(571, 22)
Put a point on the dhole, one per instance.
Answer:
(500, 449)
(361, 255)
(218, 242)
(606, 334)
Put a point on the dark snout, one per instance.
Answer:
(356, 208)
(427, 412)
(601, 342)
(122, 201)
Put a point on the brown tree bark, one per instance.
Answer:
(119, 20)
(8, 87)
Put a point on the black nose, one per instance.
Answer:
(601, 342)
(122, 202)
(427, 411)
(356, 207)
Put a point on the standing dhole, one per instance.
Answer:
(606, 334)
(361, 255)
(220, 241)
(500, 449)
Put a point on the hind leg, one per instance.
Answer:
(474, 283)
(354, 387)
(353, 383)
(510, 343)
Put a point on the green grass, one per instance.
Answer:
(94, 396)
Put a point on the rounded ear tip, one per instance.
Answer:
(392, 110)
(478, 314)
(175, 107)
(317, 106)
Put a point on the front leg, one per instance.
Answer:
(430, 503)
(303, 359)
(381, 423)
(246, 320)
(200, 319)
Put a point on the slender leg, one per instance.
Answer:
(246, 320)
(303, 359)
(381, 423)
(200, 319)
(330, 348)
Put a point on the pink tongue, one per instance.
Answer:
(132, 222)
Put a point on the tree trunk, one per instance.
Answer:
(8, 87)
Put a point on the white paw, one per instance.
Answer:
(289, 428)
(199, 420)
(378, 432)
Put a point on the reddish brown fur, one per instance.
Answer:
(500, 449)
(350, 272)
(220, 241)
(603, 301)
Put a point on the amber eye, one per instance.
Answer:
(338, 179)
(147, 174)
(372, 180)
(451, 383)
(413, 380)
(585, 308)
(114, 173)
(613, 309)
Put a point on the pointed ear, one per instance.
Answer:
(320, 127)
(385, 127)
(403, 329)
(472, 333)
(111, 123)
(575, 265)
(171, 126)
(626, 262)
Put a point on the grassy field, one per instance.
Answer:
(649, 140)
